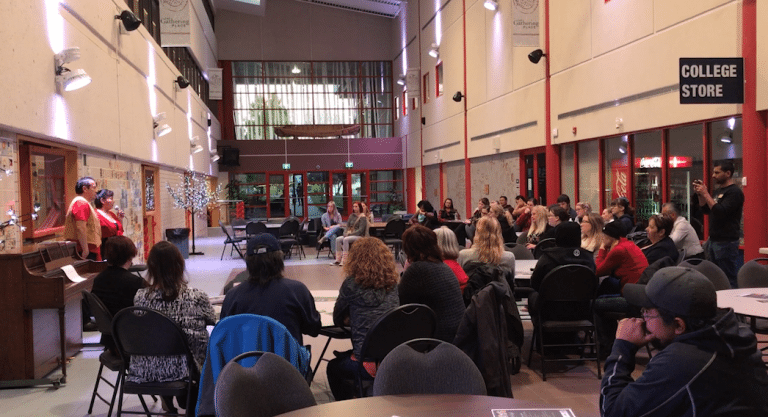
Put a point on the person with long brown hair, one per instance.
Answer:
(366, 294)
(357, 226)
(488, 246)
(592, 232)
(427, 280)
(169, 294)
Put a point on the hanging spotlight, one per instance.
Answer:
(536, 55)
(160, 130)
(434, 51)
(67, 79)
(491, 5)
(130, 21)
(196, 148)
(182, 82)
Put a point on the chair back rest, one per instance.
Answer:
(520, 251)
(428, 366)
(680, 255)
(289, 228)
(100, 312)
(568, 291)
(709, 270)
(315, 226)
(224, 229)
(146, 332)
(543, 244)
(753, 274)
(248, 391)
(238, 221)
(399, 325)
(395, 228)
(461, 235)
(254, 228)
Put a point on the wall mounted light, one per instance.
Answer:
(295, 70)
(491, 5)
(727, 136)
(69, 80)
(215, 157)
(401, 80)
(622, 149)
(458, 96)
(434, 51)
(196, 148)
(536, 55)
(160, 130)
(194, 139)
(130, 21)
(181, 82)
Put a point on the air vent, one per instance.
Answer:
(383, 8)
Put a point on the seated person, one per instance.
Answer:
(624, 213)
(358, 225)
(555, 215)
(115, 286)
(268, 293)
(427, 280)
(449, 246)
(567, 252)
(683, 233)
(449, 212)
(539, 226)
(661, 245)
(488, 246)
(332, 228)
(505, 221)
(520, 204)
(592, 232)
(426, 215)
(169, 294)
(565, 202)
(366, 294)
(619, 258)
(707, 365)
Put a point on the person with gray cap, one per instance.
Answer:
(268, 293)
(708, 364)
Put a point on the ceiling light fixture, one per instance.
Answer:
(160, 130)
(536, 55)
(69, 80)
(491, 5)
(130, 21)
(434, 51)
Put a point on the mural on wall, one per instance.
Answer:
(498, 173)
(10, 231)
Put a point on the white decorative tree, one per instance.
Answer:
(194, 195)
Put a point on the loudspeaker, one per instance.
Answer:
(230, 157)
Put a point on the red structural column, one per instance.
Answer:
(754, 142)
(226, 107)
(552, 152)
(410, 189)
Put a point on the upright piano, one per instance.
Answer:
(40, 313)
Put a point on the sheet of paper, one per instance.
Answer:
(534, 412)
(72, 274)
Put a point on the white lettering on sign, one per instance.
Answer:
(708, 71)
(702, 90)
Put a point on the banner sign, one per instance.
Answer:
(711, 80)
(412, 82)
(525, 23)
(174, 22)
(215, 86)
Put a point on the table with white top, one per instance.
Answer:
(751, 302)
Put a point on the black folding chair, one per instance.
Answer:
(399, 325)
(543, 244)
(234, 241)
(392, 236)
(140, 331)
(111, 360)
(289, 237)
(254, 228)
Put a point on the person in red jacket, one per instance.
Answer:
(620, 259)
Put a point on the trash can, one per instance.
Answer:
(180, 238)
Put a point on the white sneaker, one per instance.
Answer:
(334, 263)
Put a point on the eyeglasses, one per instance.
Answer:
(646, 315)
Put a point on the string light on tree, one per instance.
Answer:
(195, 196)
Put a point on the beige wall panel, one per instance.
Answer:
(499, 51)
(282, 40)
(419, 188)
(443, 107)
(432, 189)
(202, 38)
(617, 23)
(570, 38)
(441, 134)
(413, 25)
(413, 150)
(239, 36)
(643, 66)
(514, 109)
(762, 55)
(136, 132)
(454, 185)
(667, 13)
(476, 74)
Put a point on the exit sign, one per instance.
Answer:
(348, 165)
(286, 166)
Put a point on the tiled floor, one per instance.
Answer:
(578, 388)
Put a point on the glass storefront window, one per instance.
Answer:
(277, 195)
(589, 177)
(616, 168)
(567, 172)
(297, 194)
(647, 170)
(685, 165)
(725, 138)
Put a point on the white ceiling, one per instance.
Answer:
(386, 8)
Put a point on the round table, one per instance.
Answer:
(742, 304)
(445, 405)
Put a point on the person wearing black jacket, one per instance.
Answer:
(568, 251)
(708, 363)
(661, 245)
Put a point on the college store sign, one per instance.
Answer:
(711, 80)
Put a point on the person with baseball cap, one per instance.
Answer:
(708, 363)
(268, 293)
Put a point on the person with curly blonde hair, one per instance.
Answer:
(539, 225)
(365, 295)
(488, 246)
